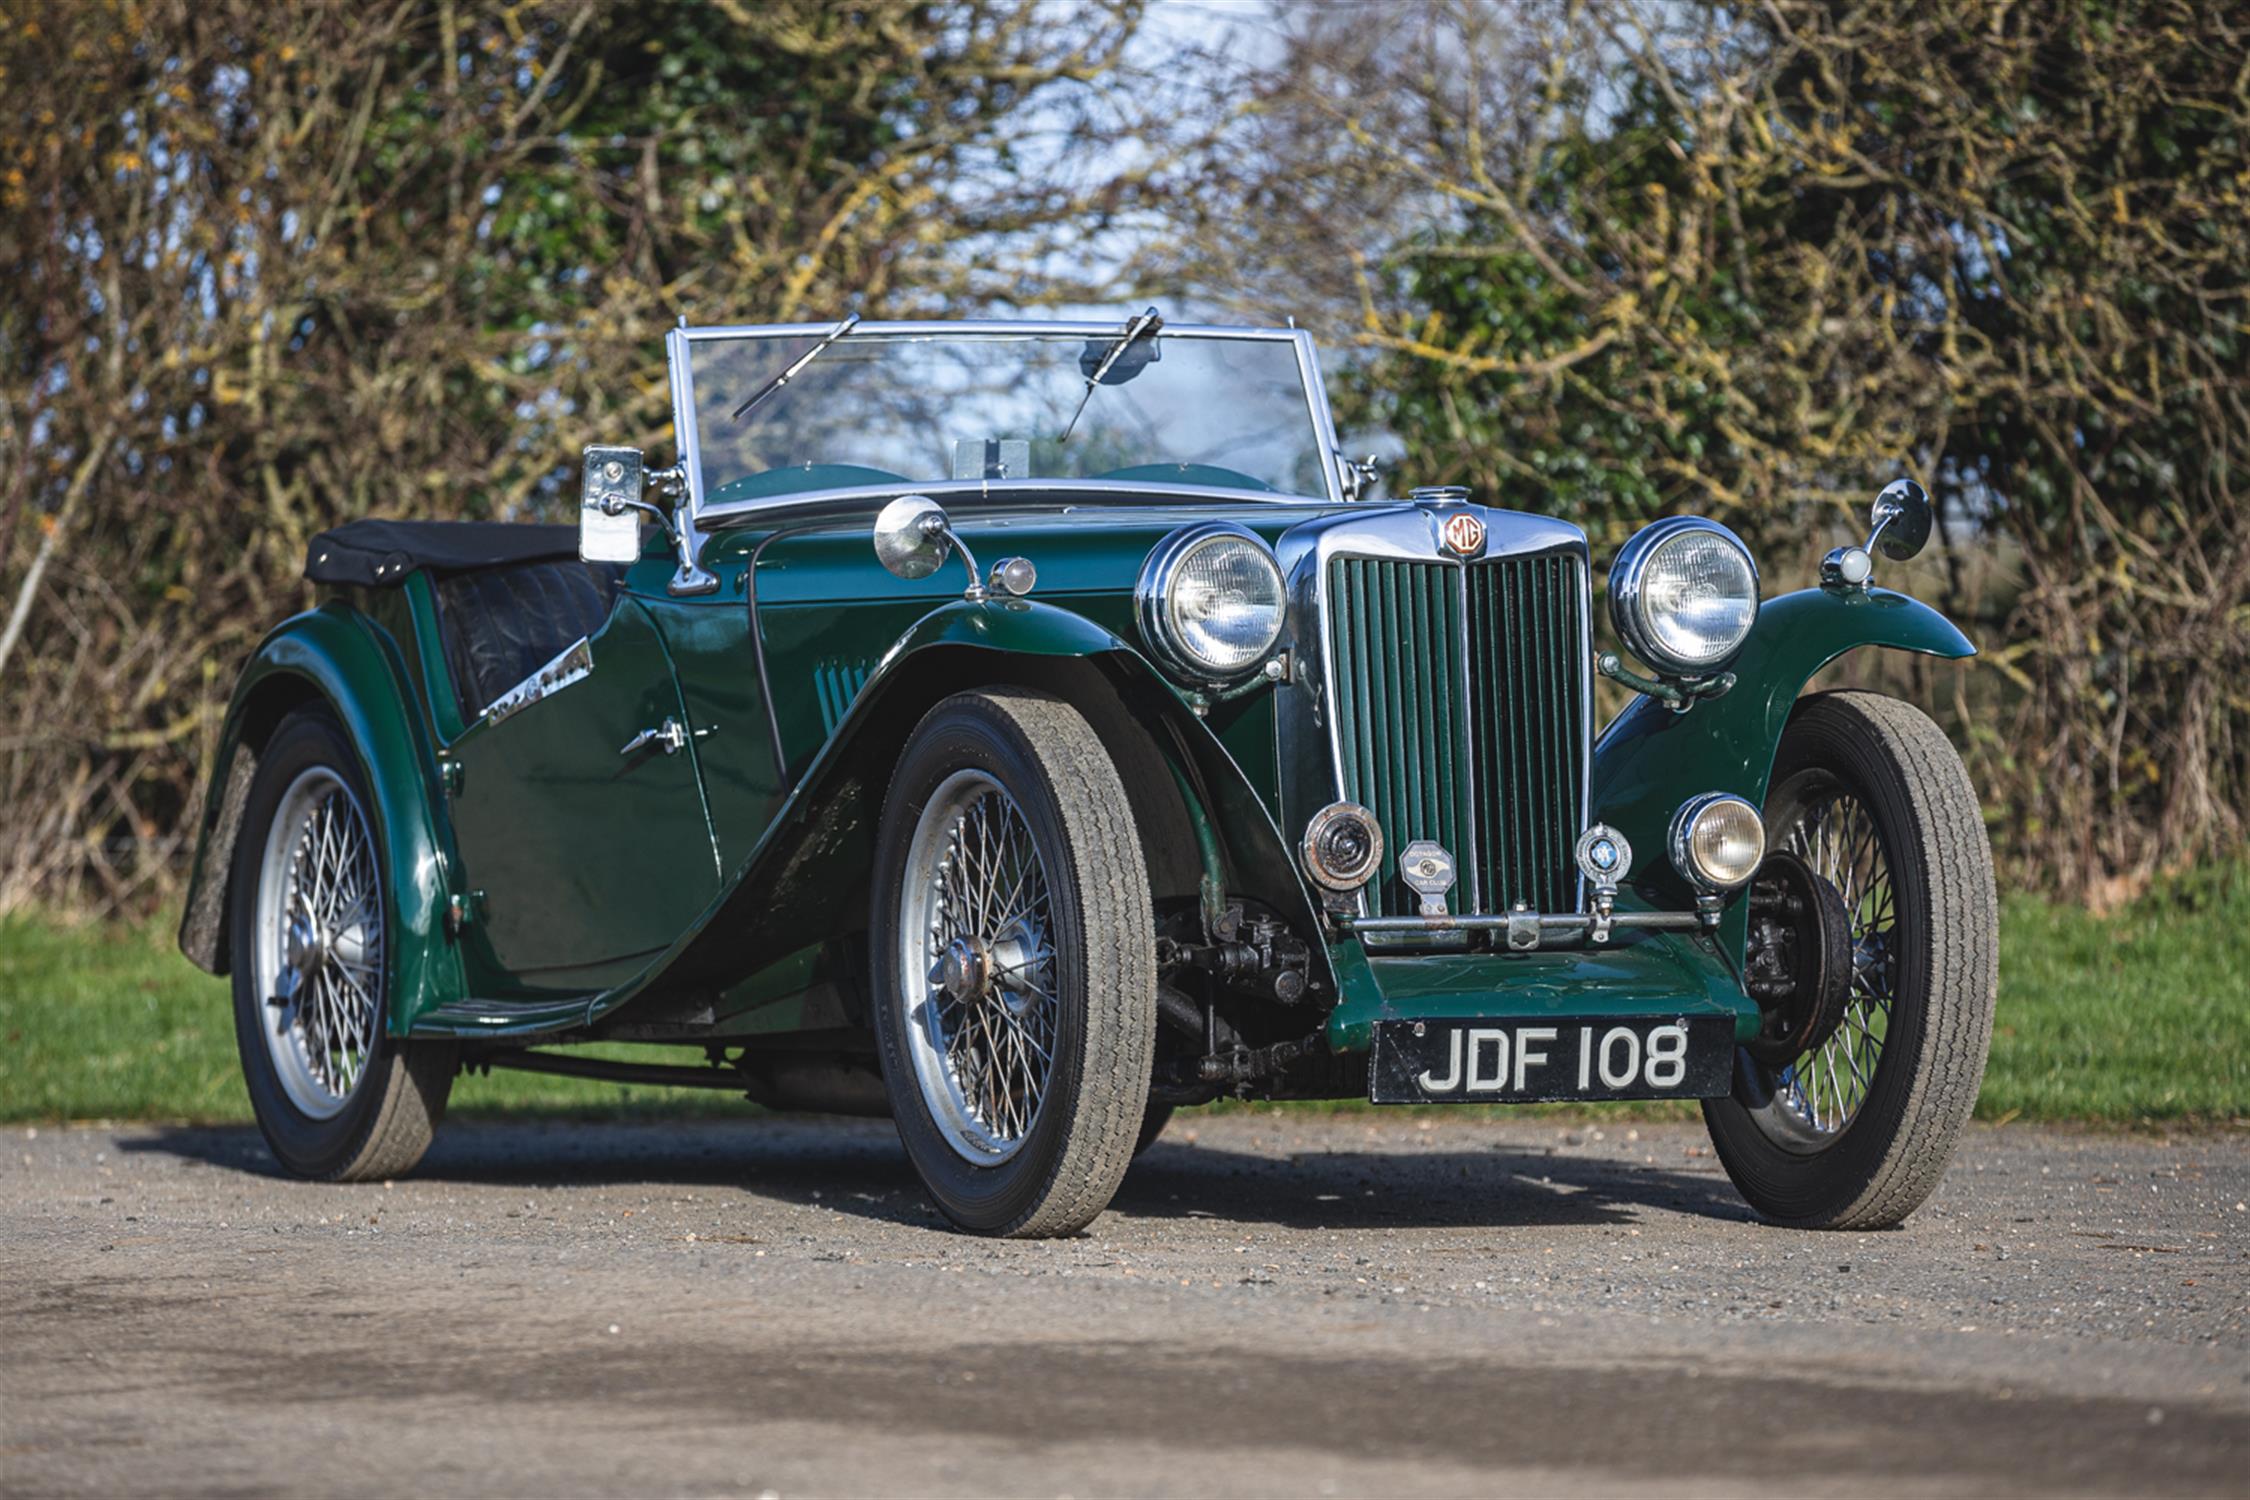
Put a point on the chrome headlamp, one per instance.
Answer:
(1211, 601)
(1684, 594)
(1717, 841)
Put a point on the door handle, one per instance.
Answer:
(669, 735)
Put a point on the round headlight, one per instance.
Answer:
(1684, 594)
(1212, 601)
(1717, 841)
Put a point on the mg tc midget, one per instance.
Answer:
(1024, 729)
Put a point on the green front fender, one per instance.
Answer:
(1239, 846)
(333, 656)
(1023, 626)
(806, 881)
(1651, 759)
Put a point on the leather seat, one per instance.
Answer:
(502, 624)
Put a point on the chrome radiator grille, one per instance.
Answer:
(1460, 716)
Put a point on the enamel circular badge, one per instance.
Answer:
(1463, 534)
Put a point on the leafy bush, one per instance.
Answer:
(269, 267)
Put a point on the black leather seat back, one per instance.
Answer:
(502, 624)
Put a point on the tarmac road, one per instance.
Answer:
(1278, 1304)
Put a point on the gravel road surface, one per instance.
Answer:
(1277, 1304)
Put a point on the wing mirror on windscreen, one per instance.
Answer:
(610, 500)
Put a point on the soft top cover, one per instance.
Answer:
(379, 554)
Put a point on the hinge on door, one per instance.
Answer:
(450, 776)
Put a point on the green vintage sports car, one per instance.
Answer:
(1220, 781)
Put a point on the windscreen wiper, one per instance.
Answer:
(1147, 322)
(802, 360)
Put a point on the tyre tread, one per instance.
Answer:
(407, 1118)
(1956, 860)
(1120, 962)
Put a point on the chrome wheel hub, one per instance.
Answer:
(304, 948)
(318, 958)
(965, 970)
(976, 968)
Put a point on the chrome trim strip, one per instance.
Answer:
(1522, 924)
(1324, 420)
(574, 664)
(1586, 714)
(1468, 770)
(687, 511)
(977, 328)
(743, 512)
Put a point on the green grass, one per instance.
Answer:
(111, 1023)
(2142, 1016)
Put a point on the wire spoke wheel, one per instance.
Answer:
(1818, 1094)
(1013, 960)
(977, 968)
(319, 943)
(308, 937)
(1855, 1130)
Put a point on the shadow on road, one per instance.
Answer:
(857, 1167)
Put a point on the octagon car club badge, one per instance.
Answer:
(1462, 534)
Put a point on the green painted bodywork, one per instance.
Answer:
(720, 894)
(805, 870)
(1642, 974)
(544, 789)
(336, 655)
(1651, 759)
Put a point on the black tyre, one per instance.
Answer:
(335, 1097)
(1014, 962)
(1854, 1133)
(1153, 1121)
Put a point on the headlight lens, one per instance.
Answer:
(1684, 594)
(1212, 601)
(1717, 841)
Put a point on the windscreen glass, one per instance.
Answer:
(882, 408)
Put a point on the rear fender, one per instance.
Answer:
(807, 879)
(334, 657)
(1650, 759)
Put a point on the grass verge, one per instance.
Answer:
(2140, 1016)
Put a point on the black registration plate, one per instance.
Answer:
(1521, 1062)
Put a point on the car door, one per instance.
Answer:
(580, 818)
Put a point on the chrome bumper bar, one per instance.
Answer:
(1527, 931)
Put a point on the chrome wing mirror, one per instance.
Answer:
(611, 486)
(1901, 518)
(914, 537)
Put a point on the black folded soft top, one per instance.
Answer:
(379, 554)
